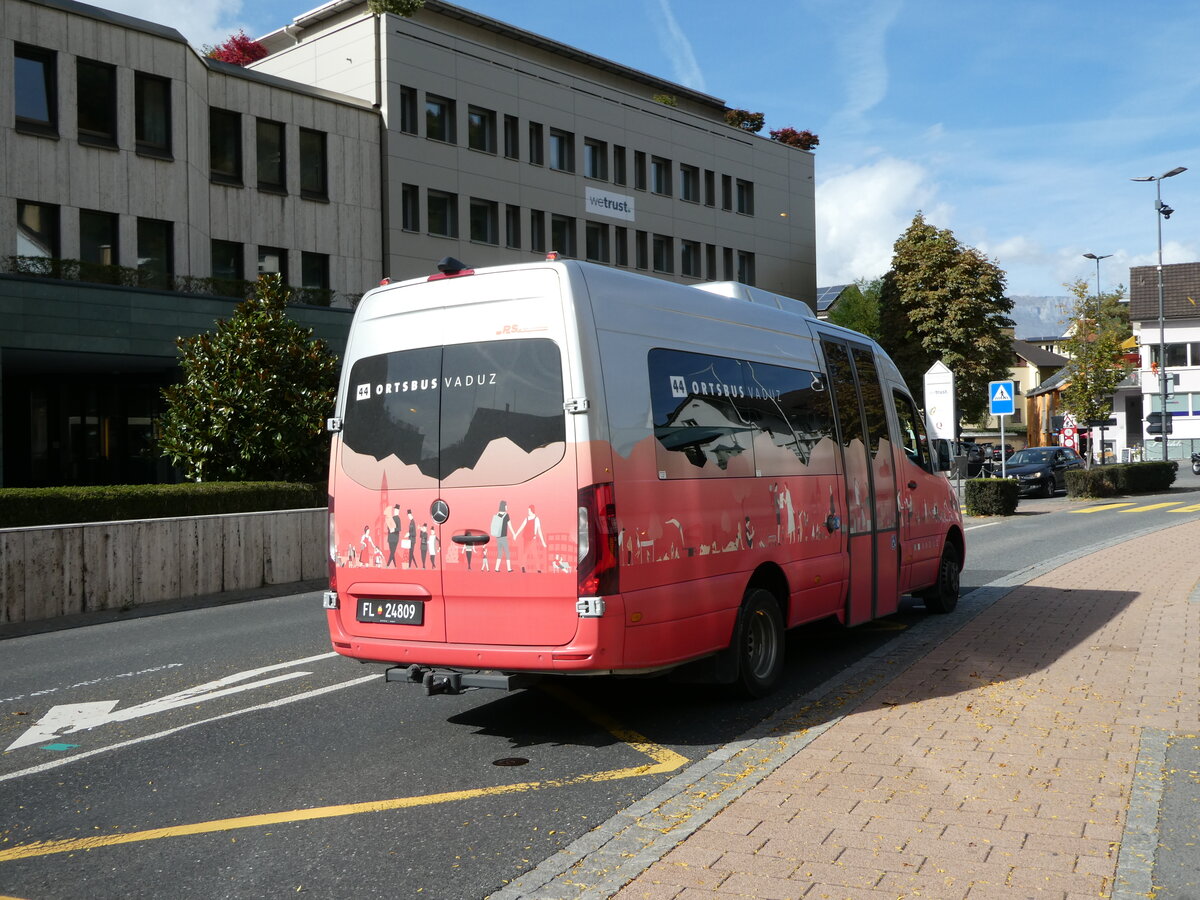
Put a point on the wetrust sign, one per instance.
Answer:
(604, 203)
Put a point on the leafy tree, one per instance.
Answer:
(745, 120)
(859, 307)
(805, 140)
(396, 7)
(237, 49)
(254, 396)
(1098, 327)
(943, 300)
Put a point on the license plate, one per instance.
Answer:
(392, 612)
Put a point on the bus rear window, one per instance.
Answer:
(464, 414)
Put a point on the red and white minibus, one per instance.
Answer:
(559, 467)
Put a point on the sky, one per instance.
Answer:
(1016, 125)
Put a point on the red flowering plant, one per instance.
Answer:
(805, 140)
(238, 49)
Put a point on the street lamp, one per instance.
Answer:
(1097, 258)
(1164, 212)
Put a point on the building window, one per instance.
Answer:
(596, 242)
(660, 175)
(537, 146)
(439, 118)
(710, 262)
(155, 252)
(96, 85)
(727, 259)
(664, 254)
(485, 226)
(639, 170)
(726, 192)
(562, 235)
(408, 109)
(512, 227)
(641, 250)
(562, 150)
(745, 197)
(98, 235)
(595, 159)
(410, 207)
(228, 261)
(273, 261)
(689, 258)
(152, 115)
(618, 165)
(37, 229)
(745, 267)
(689, 183)
(512, 139)
(314, 271)
(270, 155)
(225, 146)
(710, 187)
(537, 231)
(314, 165)
(621, 245)
(481, 129)
(36, 90)
(441, 213)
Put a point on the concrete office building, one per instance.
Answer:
(503, 144)
(130, 159)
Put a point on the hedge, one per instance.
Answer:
(991, 496)
(23, 507)
(1121, 478)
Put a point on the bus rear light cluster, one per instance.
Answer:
(598, 552)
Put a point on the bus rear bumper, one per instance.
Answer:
(446, 681)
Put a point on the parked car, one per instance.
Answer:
(998, 454)
(974, 454)
(1040, 470)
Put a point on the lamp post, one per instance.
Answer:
(1164, 212)
(1097, 258)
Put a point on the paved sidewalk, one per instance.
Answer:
(1020, 757)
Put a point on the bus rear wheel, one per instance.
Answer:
(759, 643)
(943, 596)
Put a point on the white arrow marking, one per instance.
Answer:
(69, 718)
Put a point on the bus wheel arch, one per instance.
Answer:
(942, 596)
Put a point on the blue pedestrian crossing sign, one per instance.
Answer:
(1000, 398)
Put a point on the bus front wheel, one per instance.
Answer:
(759, 643)
(943, 596)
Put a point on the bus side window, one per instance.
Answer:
(912, 432)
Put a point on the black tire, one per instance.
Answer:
(1049, 487)
(758, 643)
(943, 596)
(1196, 468)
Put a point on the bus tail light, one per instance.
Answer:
(598, 551)
(331, 598)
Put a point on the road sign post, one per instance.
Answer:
(1001, 403)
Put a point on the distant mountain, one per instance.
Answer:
(1039, 316)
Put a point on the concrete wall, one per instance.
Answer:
(60, 570)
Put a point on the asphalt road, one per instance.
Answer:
(224, 752)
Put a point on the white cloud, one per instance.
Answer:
(861, 212)
(201, 21)
(862, 55)
(678, 49)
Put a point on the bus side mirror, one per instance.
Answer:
(942, 456)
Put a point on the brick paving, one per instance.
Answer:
(1001, 764)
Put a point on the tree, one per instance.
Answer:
(805, 140)
(945, 301)
(745, 120)
(858, 307)
(1098, 326)
(254, 396)
(237, 49)
(396, 7)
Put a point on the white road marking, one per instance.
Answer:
(70, 718)
(984, 525)
(282, 701)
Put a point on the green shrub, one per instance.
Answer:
(991, 496)
(1122, 478)
(24, 507)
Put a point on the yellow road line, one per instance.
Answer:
(1092, 509)
(665, 760)
(1152, 506)
(1195, 507)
